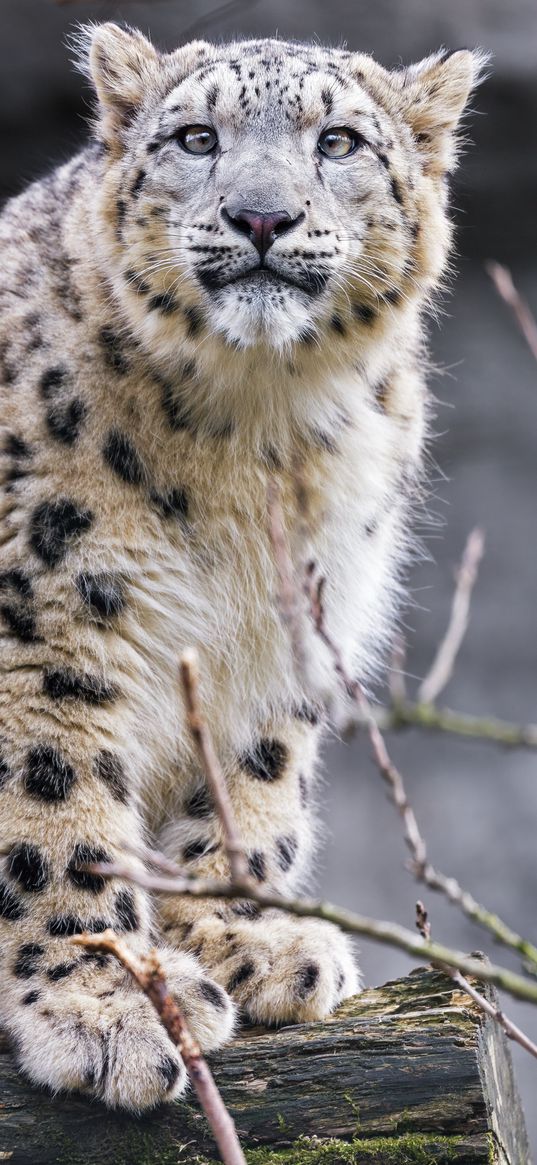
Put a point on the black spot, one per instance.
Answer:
(103, 593)
(324, 440)
(85, 855)
(121, 211)
(108, 766)
(48, 775)
(27, 864)
(165, 303)
(340, 981)
(393, 296)
(304, 791)
(396, 190)
(336, 323)
(194, 318)
(267, 761)
(127, 915)
(169, 1070)
(123, 459)
(308, 713)
(16, 473)
(20, 621)
(134, 280)
(327, 100)
(213, 994)
(65, 421)
(382, 392)
(383, 159)
(27, 961)
(257, 865)
(306, 980)
(64, 925)
(246, 910)
(5, 771)
(98, 958)
(62, 683)
(53, 379)
(11, 907)
(195, 849)
(31, 997)
(210, 279)
(364, 313)
(138, 183)
(272, 458)
(286, 851)
(60, 971)
(200, 803)
(177, 413)
(112, 351)
(171, 505)
(15, 446)
(16, 580)
(244, 972)
(54, 525)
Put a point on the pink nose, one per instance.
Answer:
(262, 229)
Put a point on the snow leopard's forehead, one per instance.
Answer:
(273, 84)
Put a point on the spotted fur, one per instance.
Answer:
(154, 372)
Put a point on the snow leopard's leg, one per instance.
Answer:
(278, 968)
(68, 797)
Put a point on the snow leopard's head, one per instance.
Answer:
(273, 193)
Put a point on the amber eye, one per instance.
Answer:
(338, 142)
(197, 139)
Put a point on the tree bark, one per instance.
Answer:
(411, 1072)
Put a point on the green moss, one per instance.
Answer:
(409, 1149)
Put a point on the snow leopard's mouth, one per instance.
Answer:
(310, 283)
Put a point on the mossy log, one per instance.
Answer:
(409, 1073)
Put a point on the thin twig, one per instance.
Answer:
(488, 729)
(388, 933)
(503, 282)
(512, 1031)
(149, 975)
(420, 866)
(444, 661)
(214, 776)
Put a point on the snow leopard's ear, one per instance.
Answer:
(433, 96)
(122, 66)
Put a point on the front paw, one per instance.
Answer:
(93, 1031)
(285, 970)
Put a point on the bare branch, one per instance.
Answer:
(149, 975)
(419, 864)
(444, 661)
(512, 1031)
(455, 723)
(212, 769)
(503, 282)
(388, 933)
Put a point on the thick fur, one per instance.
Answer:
(147, 395)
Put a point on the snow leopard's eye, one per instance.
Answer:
(197, 139)
(339, 142)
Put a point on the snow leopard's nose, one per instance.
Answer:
(262, 229)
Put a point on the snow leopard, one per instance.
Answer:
(225, 287)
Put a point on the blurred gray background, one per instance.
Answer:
(477, 803)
